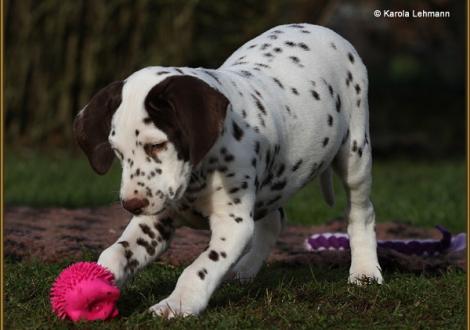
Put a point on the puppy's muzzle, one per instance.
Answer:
(135, 205)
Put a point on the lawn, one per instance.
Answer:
(419, 193)
(280, 298)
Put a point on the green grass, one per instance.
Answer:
(280, 298)
(297, 297)
(419, 193)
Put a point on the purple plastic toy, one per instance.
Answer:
(421, 247)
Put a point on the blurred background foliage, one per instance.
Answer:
(58, 53)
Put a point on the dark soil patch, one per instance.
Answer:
(51, 234)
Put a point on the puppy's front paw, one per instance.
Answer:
(112, 259)
(170, 307)
(365, 274)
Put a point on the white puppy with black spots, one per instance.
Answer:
(225, 149)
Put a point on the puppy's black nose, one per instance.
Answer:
(135, 205)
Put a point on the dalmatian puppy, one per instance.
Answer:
(224, 149)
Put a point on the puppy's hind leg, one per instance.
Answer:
(266, 233)
(353, 164)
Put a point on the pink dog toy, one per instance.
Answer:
(85, 291)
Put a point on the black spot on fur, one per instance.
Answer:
(354, 147)
(213, 255)
(262, 65)
(278, 82)
(261, 120)
(267, 180)
(234, 190)
(349, 79)
(238, 219)
(330, 89)
(162, 72)
(290, 43)
(146, 229)
(279, 185)
(257, 147)
(357, 88)
(303, 46)
(124, 243)
(332, 44)
(212, 75)
(330, 120)
(223, 254)
(260, 106)
(338, 103)
(149, 248)
(351, 57)
(277, 50)
(295, 60)
(325, 141)
(201, 274)
(315, 95)
(268, 157)
(297, 165)
(246, 73)
(294, 91)
(237, 131)
(281, 170)
(358, 103)
(265, 46)
(137, 132)
(128, 254)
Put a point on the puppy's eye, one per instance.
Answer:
(153, 149)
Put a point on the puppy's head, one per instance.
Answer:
(158, 129)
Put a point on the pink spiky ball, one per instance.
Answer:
(85, 291)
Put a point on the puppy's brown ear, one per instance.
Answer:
(92, 125)
(190, 112)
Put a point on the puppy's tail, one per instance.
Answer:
(326, 187)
